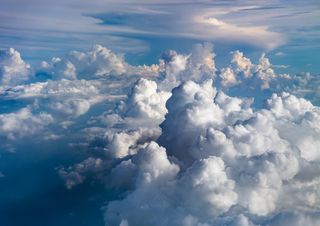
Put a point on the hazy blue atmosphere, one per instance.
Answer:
(151, 113)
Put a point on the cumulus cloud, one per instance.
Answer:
(191, 155)
(230, 163)
(178, 150)
(97, 62)
(62, 97)
(305, 85)
(59, 69)
(242, 70)
(138, 118)
(145, 102)
(72, 175)
(199, 65)
(13, 70)
(22, 123)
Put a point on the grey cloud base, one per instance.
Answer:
(178, 150)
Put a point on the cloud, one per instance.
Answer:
(97, 62)
(259, 36)
(171, 142)
(127, 27)
(145, 102)
(13, 70)
(242, 70)
(228, 77)
(175, 68)
(234, 163)
(305, 85)
(61, 98)
(72, 175)
(23, 123)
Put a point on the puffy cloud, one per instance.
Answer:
(191, 155)
(264, 72)
(192, 109)
(58, 69)
(138, 117)
(304, 85)
(207, 187)
(242, 72)
(22, 123)
(13, 70)
(72, 175)
(199, 65)
(242, 64)
(123, 144)
(154, 172)
(97, 62)
(145, 102)
(228, 77)
(236, 163)
(62, 97)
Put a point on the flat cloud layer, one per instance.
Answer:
(169, 140)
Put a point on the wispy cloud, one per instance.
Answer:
(118, 22)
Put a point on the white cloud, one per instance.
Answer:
(175, 68)
(13, 70)
(259, 36)
(61, 97)
(228, 77)
(192, 155)
(59, 69)
(97, 62)
(230, 157)
(145, 102)
(242, 70)
(23, 123)
(242, 64)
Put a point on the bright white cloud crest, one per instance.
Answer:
(13, 70)
(178, 149)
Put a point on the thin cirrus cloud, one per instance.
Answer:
(79, 24)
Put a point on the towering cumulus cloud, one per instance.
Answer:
(178, 150)
(13, 70)
(224, 163)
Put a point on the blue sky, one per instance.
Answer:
(142, 113)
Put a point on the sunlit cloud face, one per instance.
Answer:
(192, 113)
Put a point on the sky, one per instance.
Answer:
(150, 113)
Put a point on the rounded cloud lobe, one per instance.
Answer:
(178, 149)
(13, 70)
